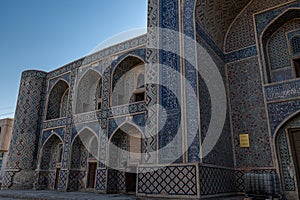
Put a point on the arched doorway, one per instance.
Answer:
(124, 154)
(51, 158)
(287, 142)
(84, 161)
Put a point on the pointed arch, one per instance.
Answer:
(49, 152)
(89, 92)
(126, 124)
(84, 148)
(275, 50)
(285, 138)
(124, 80)
(125, 145)
(85, 130)
(58, 100)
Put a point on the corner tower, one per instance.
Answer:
(20, 169)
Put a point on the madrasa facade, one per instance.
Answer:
(211, 92)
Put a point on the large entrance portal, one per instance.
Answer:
(294, 136)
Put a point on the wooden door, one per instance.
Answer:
(130, 180)
(57, 178)
(91, 175)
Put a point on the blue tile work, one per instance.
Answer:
(272, 25)
(26, 125)
(55, 123)
(54, 109)
(285, 161)
(169, 90)
(284, 154)
(190, 57)
(177, 181)
(248, 113)
(101, 178)
(46, 134)
(169, 138)
(278, 112)
(277, 51)
(241, 33)
(241, 54)
(282, 91)
(216, 17)
(63, 177)
(66, 77)
(216, 180)
(247, 108)
(223, 148)
(264, 19)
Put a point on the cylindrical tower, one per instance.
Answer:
(20, 169)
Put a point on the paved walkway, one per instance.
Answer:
(55, 195)
(51, 195)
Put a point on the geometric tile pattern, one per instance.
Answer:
(278, 112)
(241, 32)
(216, 180)
(152, 77)
(248, 113)
(279, 51)
(101, 178)
(216, 17)
(239, 181)
(171, 180)
(295, 45)
(57, 100)
(76, 180)
(63, 177)
(284, 153)
(116, 181)
(26, 125)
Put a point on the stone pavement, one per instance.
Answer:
(51, 195)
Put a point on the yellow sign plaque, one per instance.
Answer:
(244, 141)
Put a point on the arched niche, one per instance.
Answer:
(287, 141)
(124, 155)
(279, 61)
(58, 101)
(128, 81)
(50, 163)
(84, 161)
(89, 92)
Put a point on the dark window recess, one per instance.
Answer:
(297, 67)
(139, 96)
(99, 105)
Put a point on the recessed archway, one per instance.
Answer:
(84, 161)
(58, 100)
(287, 143)
(89, 92)
(50, 163)
(128, 81)
(124, 154)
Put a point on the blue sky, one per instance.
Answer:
(47, 34)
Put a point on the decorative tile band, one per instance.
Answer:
(171, 180)
(283, 91)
